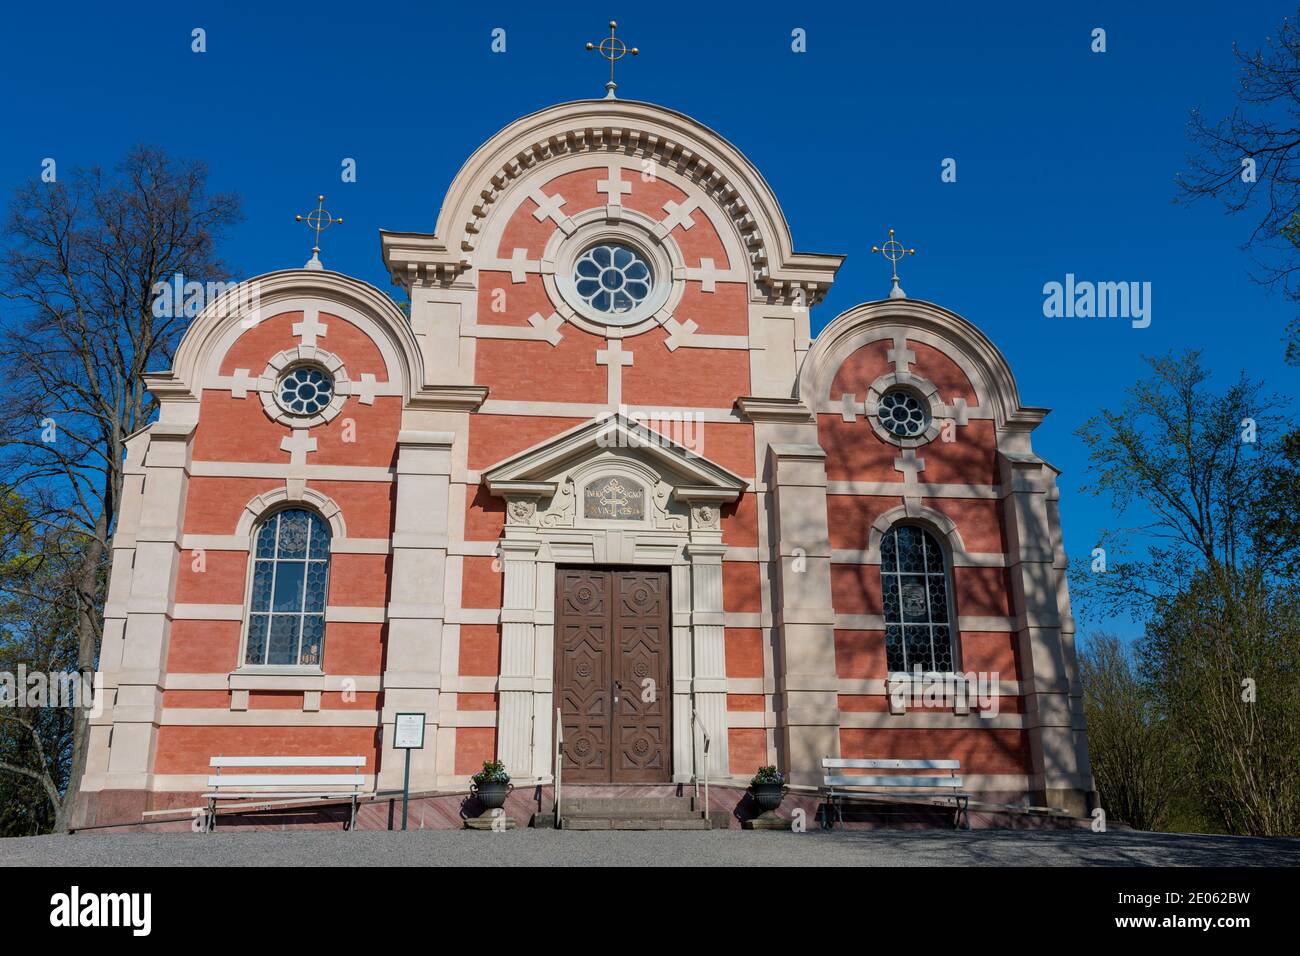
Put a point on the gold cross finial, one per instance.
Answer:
(318, 219)
(612, 49)
(893, 250)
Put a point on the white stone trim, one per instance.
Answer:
(929, 719)
(268, 717)
(965, 622)
(284, 470)
(262, 506)
(584, 411)
(960, 559)
(894, 489)
(248, 678)
(879, 687)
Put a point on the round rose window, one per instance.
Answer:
(612, 278)
(902, 413)
(305, 390)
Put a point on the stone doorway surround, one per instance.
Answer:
(677, 525)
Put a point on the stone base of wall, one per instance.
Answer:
(729, 806)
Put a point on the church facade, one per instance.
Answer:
(602, 479)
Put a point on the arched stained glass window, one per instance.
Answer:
(291, 563)
(914, 578)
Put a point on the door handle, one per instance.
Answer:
(618, 686)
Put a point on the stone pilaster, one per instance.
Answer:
(684, 743)
(709, 637)
(137, 710)
(113, 643)
(412, 677)
(807, 714)
(544, 673)
(515, 706)
(1060, 771)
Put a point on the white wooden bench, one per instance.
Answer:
(276, 787)
(941, 782)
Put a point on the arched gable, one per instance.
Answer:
(212, 333)
(563, 138)
(884, 329)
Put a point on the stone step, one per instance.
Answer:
(626, 806)
(634, 823)
(626, 814)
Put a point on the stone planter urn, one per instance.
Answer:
(767, 796)
(767, 790)
(490, 787)
(491, 795)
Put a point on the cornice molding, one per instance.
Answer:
(787, 410)
(449, 398)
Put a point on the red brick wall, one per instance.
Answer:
(235, 432)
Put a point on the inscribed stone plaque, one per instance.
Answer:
(614, 498)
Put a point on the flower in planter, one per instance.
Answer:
(768, 776)
(494, 771)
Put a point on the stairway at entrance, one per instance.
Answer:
(655, 812)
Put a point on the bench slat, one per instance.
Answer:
(287, 762)
(872, 781)
(842, 763)
(287, 780)
(277, 795)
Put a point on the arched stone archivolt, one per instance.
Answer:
(262, 506)
(914, 513)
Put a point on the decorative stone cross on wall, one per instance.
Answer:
(615, 358)
(310, 327)
(298, 447)
(614, 187)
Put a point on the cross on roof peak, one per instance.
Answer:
(893, 250)
(612, 49)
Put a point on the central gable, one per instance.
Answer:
(611, 469)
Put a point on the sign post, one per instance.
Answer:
(408, 735)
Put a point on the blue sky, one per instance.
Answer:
(1065, 158)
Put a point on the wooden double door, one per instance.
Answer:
(612, 679)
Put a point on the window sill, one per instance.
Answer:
(278, 678)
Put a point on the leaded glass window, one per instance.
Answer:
(306, 390)
(902, 413)
(914, 578)
(291, 563)
(612, 278)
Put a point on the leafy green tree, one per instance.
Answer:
(37, 636)
(1136, 755)
(1208, 477)
(1225, 668)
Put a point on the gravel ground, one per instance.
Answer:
(651, 848)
